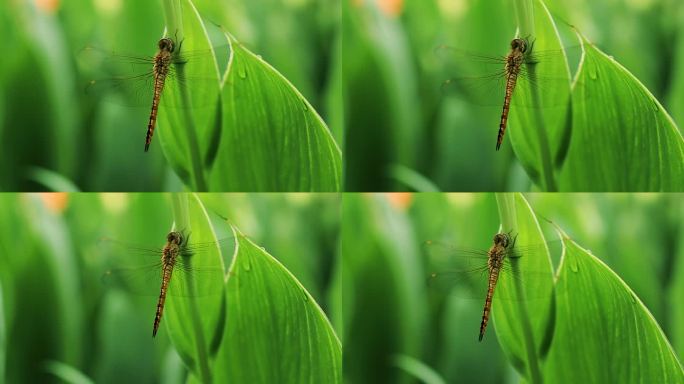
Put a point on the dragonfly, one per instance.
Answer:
(144, 79)
(479, 271)
(491, 80)
(179, 268)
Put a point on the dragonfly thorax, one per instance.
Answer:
(502, 239)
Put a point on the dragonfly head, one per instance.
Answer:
(166, 44)
(175, 238)
(519, 44)
(502, 239)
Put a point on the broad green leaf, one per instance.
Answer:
(604, 333)
(622, 138)
(271, 137)
(275, 332)
(188, 131)
(522, 326)
(195, 323)
(537, 134)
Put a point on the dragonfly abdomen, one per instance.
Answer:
(166, 277)
(493, 277)
(161, 70)
(510, 86)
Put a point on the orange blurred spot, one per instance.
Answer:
(49, 6)
(391, 7)
(388, 7)
(400, 200)
(55, 201)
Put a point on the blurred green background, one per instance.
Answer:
(55, 307)
(402, 132)
(390, 312)
(53, 136)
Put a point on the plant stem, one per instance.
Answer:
(173, 19)
(524, 11)
(174, 28)
(508, 215)
(182, 222)
(524, 14)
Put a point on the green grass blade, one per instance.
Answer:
(622, 137)
(275, 331)
(604, 333)
(67, 373)
(271, 139)
(418, 369)
(522, 326)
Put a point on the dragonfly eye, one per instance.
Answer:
(502, 239)
(166, 44)
(519, 44)
(174, 237)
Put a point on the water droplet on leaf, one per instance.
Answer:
(592, 73)
(242, 72)
(246, 265)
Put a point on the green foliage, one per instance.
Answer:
(281, 334)
(270, 126)
(382, 290)
(597, 312)
(605, 133)
(212, 131)
(647, 147)
(54, 261)
(561, 332)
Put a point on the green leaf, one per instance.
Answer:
(51, 180)
(622, 138)
(271, 137)
(604, 333)
(67, 373)
(193, 335)
(275, 332)
(412, 179)
(522, 327)
(418, 369)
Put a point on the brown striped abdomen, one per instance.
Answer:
(158, 88)
(166, 278)
(493, 277)
(510, 86)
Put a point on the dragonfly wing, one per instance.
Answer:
(128, 80)
(145, 281)
(482, 79)
(467, 270)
